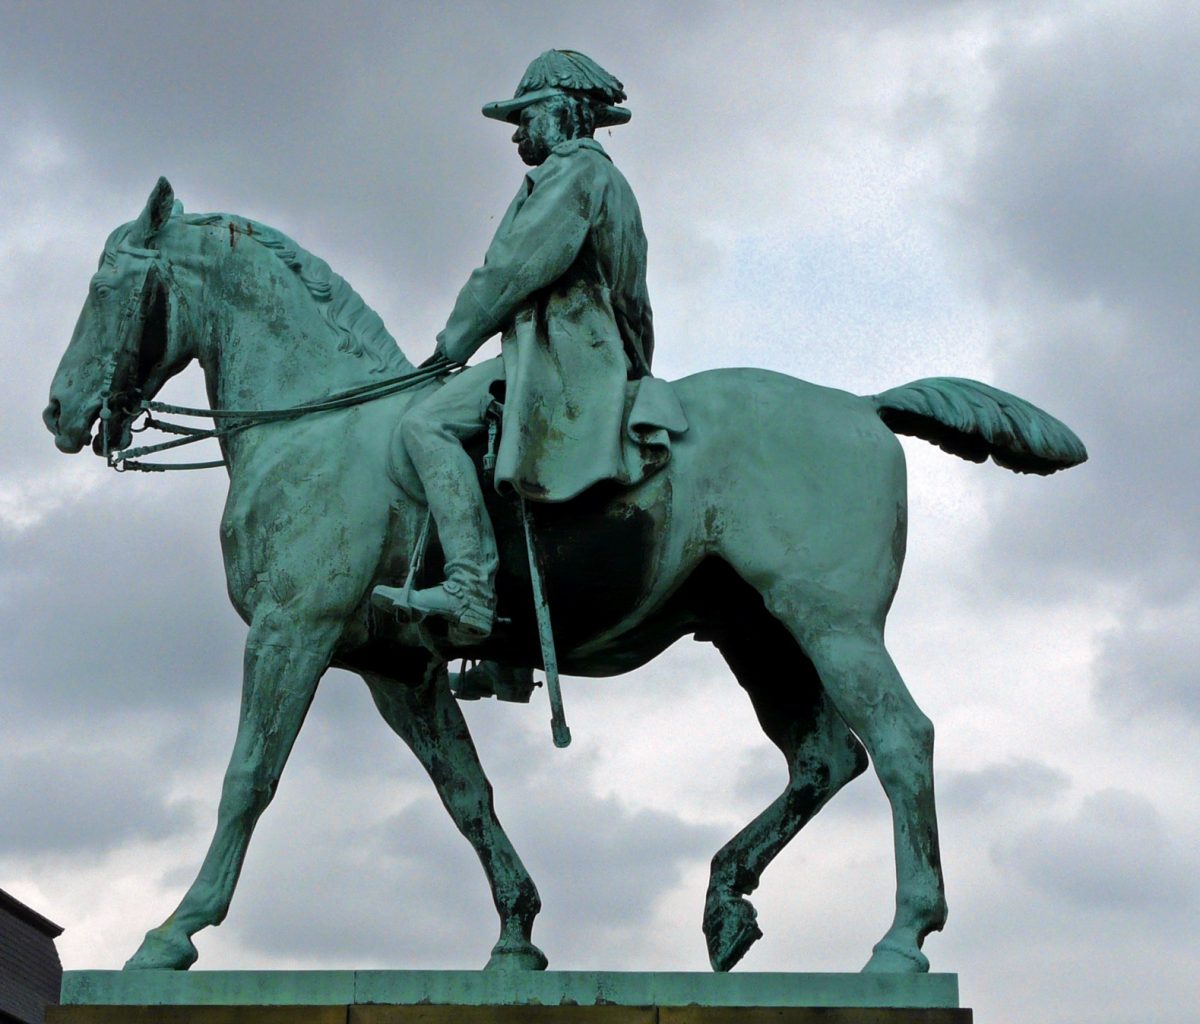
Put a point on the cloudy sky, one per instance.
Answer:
(859, 194)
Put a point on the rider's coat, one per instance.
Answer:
(564, 279)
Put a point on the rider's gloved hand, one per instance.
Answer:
(440, 355)
(454, 346)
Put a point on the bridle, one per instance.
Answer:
(118, 399)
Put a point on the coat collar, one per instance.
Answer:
(571, 145)
(564, 149)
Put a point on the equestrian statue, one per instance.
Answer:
(557, 507)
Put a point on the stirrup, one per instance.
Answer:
(485, 679)
(469, 616)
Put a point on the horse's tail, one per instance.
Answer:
(974, 421)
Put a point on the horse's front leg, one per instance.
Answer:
(426, 716)
(284, 661)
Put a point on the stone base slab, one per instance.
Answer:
(494, 989)
(445, 1014)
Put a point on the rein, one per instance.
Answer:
(243, 419)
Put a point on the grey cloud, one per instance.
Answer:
(1083, 177)
(512, 740)
(1081, 220)
(360, 137)
(117, 611)
(322, 898)
(1016, 783)
(406, 892)
(1152, 667)
(1083, 201)
(1125, 964)
(1128, 515)
(345, 738)
(1114, 854)
(258, 110)
(71, 802)
(604, 863)
(405, 889)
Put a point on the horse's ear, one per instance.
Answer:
(157, 212)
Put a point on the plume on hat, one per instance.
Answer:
(569, 69)
(558, 71)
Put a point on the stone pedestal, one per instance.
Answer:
(473, 997)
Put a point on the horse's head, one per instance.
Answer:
(123, 348)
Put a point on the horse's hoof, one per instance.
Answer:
(889, 958)
(730, 928)
(510, 956)
(163, 949)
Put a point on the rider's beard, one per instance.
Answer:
(533, 151)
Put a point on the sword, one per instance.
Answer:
(558, 720)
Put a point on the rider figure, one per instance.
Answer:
(564, 280)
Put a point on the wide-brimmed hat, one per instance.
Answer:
(564, 71)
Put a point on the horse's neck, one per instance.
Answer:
(253, 367)
(265, 341)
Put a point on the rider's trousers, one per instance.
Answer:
(433, 433)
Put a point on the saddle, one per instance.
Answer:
(652, 416)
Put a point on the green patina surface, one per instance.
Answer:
(506, 988)
(775, 530)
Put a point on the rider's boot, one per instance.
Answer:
(467, 598)
(470, 614)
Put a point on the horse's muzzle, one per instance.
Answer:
(50, 415)
(68, 438)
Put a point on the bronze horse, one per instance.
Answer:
(776, 532)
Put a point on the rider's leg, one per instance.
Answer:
(432, 434)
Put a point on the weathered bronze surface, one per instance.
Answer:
(775, 531)
(508, 988)
(500, 1015)
(198, 1015)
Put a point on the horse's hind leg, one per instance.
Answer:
(822, 756)
(861, 680)
(284, 661)
(427, 717)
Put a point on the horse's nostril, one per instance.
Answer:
(50, 415)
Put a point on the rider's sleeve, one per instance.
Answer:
(534, 246)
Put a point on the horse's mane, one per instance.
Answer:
(358, 328)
